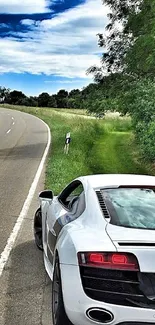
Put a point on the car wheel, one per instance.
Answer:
(38, 229)
(58, 311)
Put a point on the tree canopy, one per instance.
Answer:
(128, 43)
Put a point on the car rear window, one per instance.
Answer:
(131, 207)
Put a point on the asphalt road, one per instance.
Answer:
(25, 290)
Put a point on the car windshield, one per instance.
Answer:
(131, 207)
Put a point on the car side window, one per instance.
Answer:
(78, 190)
(73, 198)
(78, 207)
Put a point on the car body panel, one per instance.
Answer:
(66, 235)
(74, 241)
(123, 234)
(76, 302)
(115, 180)
(139, 242)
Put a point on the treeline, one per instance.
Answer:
(63, 99)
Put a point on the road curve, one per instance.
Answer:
(23, 139)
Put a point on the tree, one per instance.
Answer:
(62, 93)
(52, 102)
(4, 93)
(129, 45)
(74, 93)
(140, 58)
(33, 100)
(15, 97)
(61, 98)
(28, 101)
(120, 37)
(74, 99)
(43, 100)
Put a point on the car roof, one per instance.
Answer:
(106, 180)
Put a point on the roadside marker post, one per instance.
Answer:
(67, 142)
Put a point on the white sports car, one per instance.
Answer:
(98, 240)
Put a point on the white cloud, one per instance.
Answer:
(28, 22)
(23, 6)
(92, 9)
(65, 45)
(16, 58)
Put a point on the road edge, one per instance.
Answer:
(12, 238)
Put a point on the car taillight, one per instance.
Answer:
(116, 261)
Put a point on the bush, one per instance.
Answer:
(147, 141)
(141, 107)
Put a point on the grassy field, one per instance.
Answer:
(98, 146)
(115, 154)
(71, 111)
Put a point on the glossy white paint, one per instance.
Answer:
(77, 303)
(101, 181)
(129, 235)
(91, 232)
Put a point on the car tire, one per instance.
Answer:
(38, 229)
(58, 311)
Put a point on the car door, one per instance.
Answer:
(60, 213)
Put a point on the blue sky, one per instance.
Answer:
(47, 45)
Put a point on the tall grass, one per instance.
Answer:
(71, 111)
(97, 146)
(118, 124)
(62, 168)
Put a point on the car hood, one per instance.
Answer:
(137, 241)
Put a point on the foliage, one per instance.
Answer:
(119, 37)
(43, 100)
(140, 58)
(61, 98)
(52, 102)
(147, 142)
(74, 93)
(128, 44)
(141, 106)
(4, 92)
(15, 97)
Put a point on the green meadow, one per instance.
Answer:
(97, 146)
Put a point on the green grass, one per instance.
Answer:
(118, 124)
(61, 168)
(115, 154)
(71, 111)
(98, 146)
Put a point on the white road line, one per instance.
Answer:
(12, 118)
(11, 240)
(8, 131)
(13, 123)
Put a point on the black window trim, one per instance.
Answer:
(69, 189)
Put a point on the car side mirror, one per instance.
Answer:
(47, 194)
